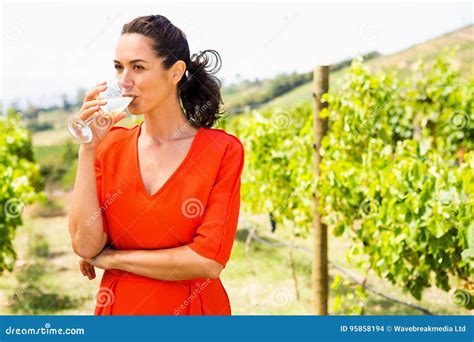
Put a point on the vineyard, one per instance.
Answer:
(20, 182)
(396, 175)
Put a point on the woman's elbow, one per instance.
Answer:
(84, 245)
(213, 269)
(208, 268)
(85, 253)
(86, 250)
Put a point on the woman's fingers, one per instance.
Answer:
(87, 113)
(90, 95)
(89, 273)
(92, 271)
(107, 120)
(81, 267)
(93, 103)
(87, 269)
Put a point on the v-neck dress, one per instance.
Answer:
(197, 206)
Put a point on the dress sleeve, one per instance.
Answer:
(215, 235)
(98, 179)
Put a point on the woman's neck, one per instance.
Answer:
(166, 123)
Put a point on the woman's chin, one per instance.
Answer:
(134, 110)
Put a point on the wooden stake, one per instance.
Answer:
(320, 253)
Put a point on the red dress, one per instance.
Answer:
(197, 206)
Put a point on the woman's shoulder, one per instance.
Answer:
(228, 150)
(117, 137)
(225, 139)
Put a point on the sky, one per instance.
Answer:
(53, 48)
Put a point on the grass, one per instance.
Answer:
(58, 163)
(46, 279)
(58, 136)
(261, 283)
(47, 154)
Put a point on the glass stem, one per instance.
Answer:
(88, 121)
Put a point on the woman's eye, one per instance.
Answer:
(135, 67)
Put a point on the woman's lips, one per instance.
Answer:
(134, 97)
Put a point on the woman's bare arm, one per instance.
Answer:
(178, 263)
(85, 222)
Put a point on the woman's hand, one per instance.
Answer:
(87, 269)
(102, 123)
(105, 260)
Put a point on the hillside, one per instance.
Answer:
(402, 60)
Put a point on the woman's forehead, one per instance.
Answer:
(133, 46)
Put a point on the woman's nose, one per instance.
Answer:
(125, 85)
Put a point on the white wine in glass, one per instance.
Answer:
(116, 103)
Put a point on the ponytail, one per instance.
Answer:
(199, 89)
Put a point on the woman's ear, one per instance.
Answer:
(177, 71)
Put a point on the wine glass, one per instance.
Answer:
(116, 103)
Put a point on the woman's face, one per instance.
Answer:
(141, 74)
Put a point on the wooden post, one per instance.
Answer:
(320, 277)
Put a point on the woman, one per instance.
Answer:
(156, 206)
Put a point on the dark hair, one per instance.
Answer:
(198, 89)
